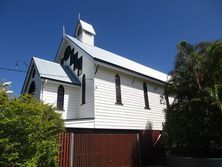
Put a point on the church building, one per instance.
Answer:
(112, 107)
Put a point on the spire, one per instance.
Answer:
(63, 31)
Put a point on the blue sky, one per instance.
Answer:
(145, 31)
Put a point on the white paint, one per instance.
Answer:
(87, 27)
(85, 33)
(79, 123)
(101, 97)
(86, 110)
(120, 61)
(130, 115)
(71, 98)
(36, 79)
(100, 89)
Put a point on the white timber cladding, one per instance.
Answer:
(130, 115)
(100, 68)
(118, 60)
(33, 78)
(71, 98)
(79, 123)
(85, 33)
(85, 110)
(87, 38)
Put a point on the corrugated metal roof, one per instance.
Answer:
(115, 59)
(88, 27)
(55, 71)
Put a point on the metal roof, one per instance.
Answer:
(55, 71)
(106, 56)
(88, 27)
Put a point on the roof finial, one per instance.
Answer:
(79, 16)
(63, 31)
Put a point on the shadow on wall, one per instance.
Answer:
(151, 148)
(73, 105)
(149, 125)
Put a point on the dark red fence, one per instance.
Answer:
(149, 149)
(64, 150)
(98, 150)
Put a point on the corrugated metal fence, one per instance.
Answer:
(98, 150)
(64, 150)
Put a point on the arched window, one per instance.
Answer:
(118, 89)
(79, 66)
(146, 100)
(32, 88)
(60, 97)
(83, 89)
(79, 31)
(33, 73)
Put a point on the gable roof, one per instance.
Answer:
(111, 58)
(55, 71)
(87, 27)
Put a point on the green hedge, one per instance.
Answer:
(28, 132)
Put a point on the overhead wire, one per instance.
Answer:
(23, 71)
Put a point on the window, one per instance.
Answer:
(32, 88)
(60, 97)
(83, 89)
(145, 96)
(67, 53)
(75, 61)
(79, 66)
(118, 90)
(79, 31)
(33, 73)
(71, 55)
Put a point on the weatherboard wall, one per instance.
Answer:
(71, 98)
(85, 110)
(86, 38)
(132, 114)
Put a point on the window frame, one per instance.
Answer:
(79, 32)
(79, 66)
(33, 73)
(146, 97)
(32, 88)
(60, 98)
(83, 89)
(118, 90)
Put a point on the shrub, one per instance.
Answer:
(28, 132)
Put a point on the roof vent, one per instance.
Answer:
(85, 32)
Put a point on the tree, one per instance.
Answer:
(193, 121)
(28, 132)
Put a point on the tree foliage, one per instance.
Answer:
(194, 120)
(28, 132)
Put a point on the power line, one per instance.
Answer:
(15, 70)
(11, 69)
(23, 71)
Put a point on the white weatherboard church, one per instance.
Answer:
(95, 89)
